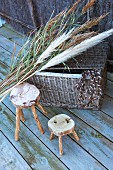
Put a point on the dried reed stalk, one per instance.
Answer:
(78, 39)
(88, 5)
(88, 24)
(72, 9)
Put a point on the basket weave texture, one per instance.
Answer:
(80, 86)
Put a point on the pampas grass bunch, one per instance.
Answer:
(59, 40)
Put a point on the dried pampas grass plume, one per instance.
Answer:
(53, 45)
(78, 49)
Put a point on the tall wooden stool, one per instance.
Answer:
(23, 96)
(61, 125)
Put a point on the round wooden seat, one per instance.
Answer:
(23, 96)
(61, 125)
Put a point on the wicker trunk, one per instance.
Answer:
(81, 85)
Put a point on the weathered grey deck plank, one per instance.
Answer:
(8, 45)
(29, 146)
(42, 139)
(98, 120)
(109, 88)
(10, 159)
(91, 140)
(12, 35)
(71, 149)
(10, 105)
(102, 148)
(107, 106)
(6, 60)
(13, 110)
(5, 57)
(110, 76)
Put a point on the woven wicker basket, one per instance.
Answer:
(80, 86)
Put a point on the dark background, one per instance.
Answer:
(33, 13)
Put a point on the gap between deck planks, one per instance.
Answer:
(9, 157)
(73, 146)
(6, 55)
(79, 156)
(9, 33)
(10, 105)
(37, 155)
(91, 140)
(110, 76)
(8, 45)
(66, 149)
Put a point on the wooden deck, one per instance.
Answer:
(35, 151)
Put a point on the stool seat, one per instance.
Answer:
(24, 95)
(61, 124)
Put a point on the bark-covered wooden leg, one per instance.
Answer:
(37, 120)
(51, 135)
(39, 105)
(22, 115)
(41, 108)
(17, 124)
(75, 136)
(60, 145)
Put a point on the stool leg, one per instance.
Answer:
(22, 115)
(75, 135)
(60, 145)
(41, 108)
(37, 120)
(17, 124)
(51, 135)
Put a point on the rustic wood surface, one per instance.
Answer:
(37, 119)
(37, 155)
(94, 150)
(9, 160)
(61, 125)
(24, 95)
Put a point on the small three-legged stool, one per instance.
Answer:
(61, 125)
(23, 96)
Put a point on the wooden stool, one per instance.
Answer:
(23, 96)
(61, 125)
